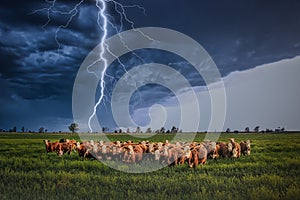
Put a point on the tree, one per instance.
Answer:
(247, 130)
(128, 130)
(162, 130)
(256, 129)
(149, 130)
(228, 130)
(73, 127)
(105, 129)
(14, 129)
(23, 129)
(174, 129)
(138, 130)
(41, 130)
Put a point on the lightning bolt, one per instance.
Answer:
(120, 9)
(103, 20)
(102, 8)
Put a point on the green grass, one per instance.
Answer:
(271, 172)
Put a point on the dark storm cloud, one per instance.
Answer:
(36, 65)
(238, 35)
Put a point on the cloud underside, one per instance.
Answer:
(266, 96)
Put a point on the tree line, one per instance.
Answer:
(73, 128)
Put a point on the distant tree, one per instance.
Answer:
(228, 130)
(149, 130)
(23, 129)
(14, 129)
(41, 130)
(282, 129)
(73, 127)
(120, 130)
(180, 131)
(162, 130)
(269, 130)
(256, 129)
(138, 130)
(174, 129)
(128, 130)
(247, 130)
(105, 129)
(46, 130)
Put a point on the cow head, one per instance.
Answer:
(229, 146)
(48, 145)
(248, 146)
(156, 155)
(234, 153)
(215, 154)
(77, 145)
(166, 151)
(187, 151)
(92, 143)
(151, 148)
(104, 149)
(130, 149)
(59, 150)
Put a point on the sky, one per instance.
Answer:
(254, 44)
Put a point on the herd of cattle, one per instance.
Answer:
(171, 154)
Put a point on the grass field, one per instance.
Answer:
(271, 172)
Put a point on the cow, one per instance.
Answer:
(161, 156)
(83, 151)
(50, 146)
(211, 148)
(223, 149)
(63, 148)
(246, 147)
(198, 155)
(185, 154)
(236, 148)
(129, 156)
(174, 154)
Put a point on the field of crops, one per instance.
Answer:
(271, 172)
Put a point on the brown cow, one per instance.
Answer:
(82, 150)
(236, 148)
(211, 149)
(129, 156)
(50, 146)
(65, 147)
(174, 154)
(246, 147)
(224, 150)
(198, 156)
(185, 154)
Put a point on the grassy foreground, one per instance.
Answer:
(271, 172)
